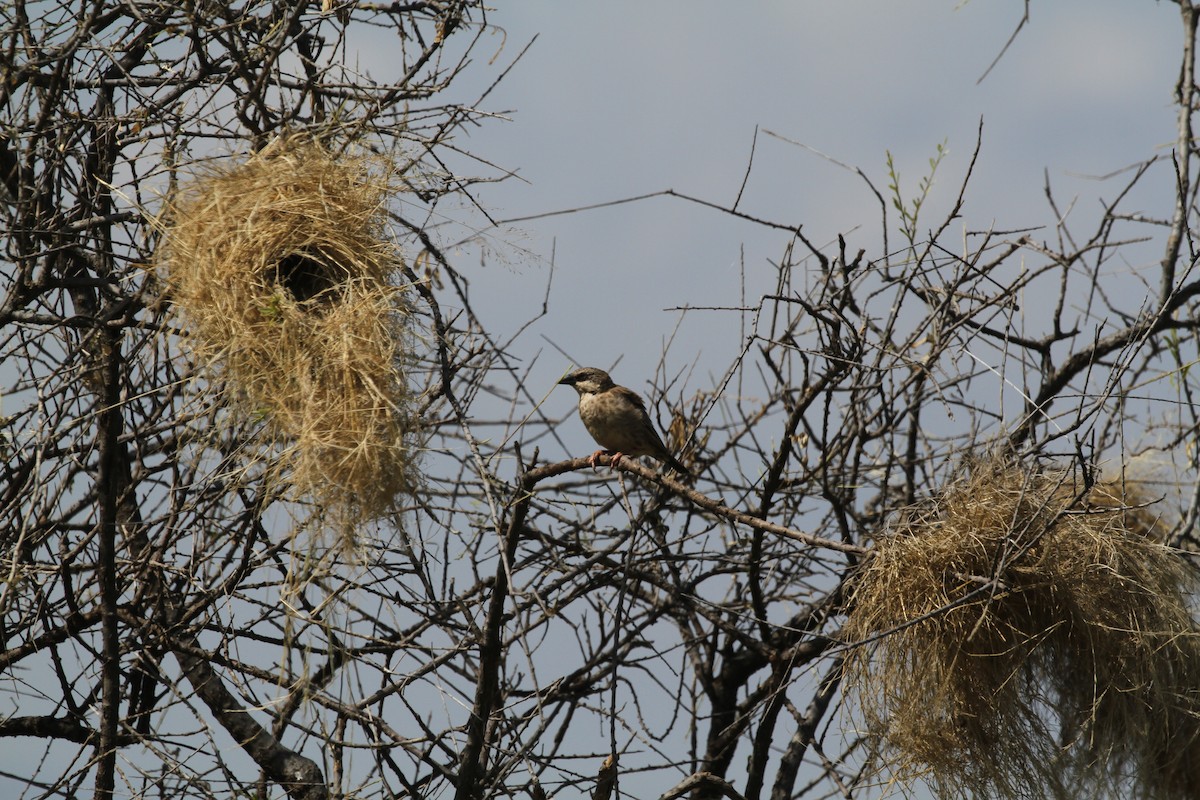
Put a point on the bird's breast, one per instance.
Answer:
(614, 423)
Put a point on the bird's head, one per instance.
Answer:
(588, 380)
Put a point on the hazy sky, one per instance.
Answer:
(618, 98)
(621, 98)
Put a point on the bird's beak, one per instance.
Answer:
(567, 380)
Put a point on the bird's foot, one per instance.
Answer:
(615, 455)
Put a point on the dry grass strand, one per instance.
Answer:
(1030, 637)
(285, 280)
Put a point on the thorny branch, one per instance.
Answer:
(502, 636)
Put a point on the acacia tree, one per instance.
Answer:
(171, 622)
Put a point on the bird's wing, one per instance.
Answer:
(630, 395)
(657, 448)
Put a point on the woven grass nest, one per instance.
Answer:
(1030, 637)
(287, 286)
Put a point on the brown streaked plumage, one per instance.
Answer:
(616, 418)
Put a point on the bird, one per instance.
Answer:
(616, 418)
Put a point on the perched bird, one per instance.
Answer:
(616, 418)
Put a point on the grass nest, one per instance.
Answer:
(1027, 636)
(288, 289)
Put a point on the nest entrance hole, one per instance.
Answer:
(307, 277)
